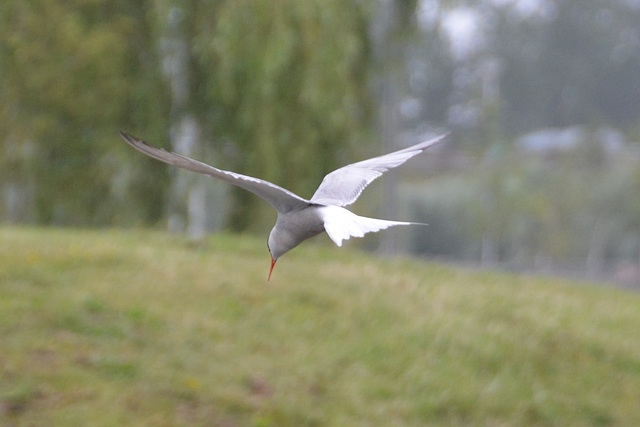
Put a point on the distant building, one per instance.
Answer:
(565, 139)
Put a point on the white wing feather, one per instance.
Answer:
(343, 186)
(281, 199)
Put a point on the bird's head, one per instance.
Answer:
(273, 262)
(275, 249)
(280, 242)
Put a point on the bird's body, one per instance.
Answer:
(298, 218)
(293, 228)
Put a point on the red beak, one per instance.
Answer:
(273, 264)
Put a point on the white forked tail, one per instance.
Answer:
(341, 224)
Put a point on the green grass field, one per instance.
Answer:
(111, 328)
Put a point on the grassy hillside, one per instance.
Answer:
(108, 328)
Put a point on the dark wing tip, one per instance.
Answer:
(151, 150)
(130, 139)
(140, 144)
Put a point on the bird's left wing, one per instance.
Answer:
(281, 199)
(343, 186)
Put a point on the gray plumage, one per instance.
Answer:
(298, 218)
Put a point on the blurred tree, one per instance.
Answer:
(393, 27)
(290, 82)
(69, 72)
(282, 89)
(516, 66)
(568, 62)
(546, 63)
(271, 80)
(190, 194)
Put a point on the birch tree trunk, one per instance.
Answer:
(191, 194)
(17, 185)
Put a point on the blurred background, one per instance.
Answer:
(543, 97)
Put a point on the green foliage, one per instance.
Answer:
(283, 79)
(282, 91)
(70, 74)
(139, 328)
(290, 78)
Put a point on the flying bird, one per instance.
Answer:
(298, 218)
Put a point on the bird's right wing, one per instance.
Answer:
(343, 186)
(281, 199)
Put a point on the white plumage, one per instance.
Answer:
(341, 224)
(298, 218)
